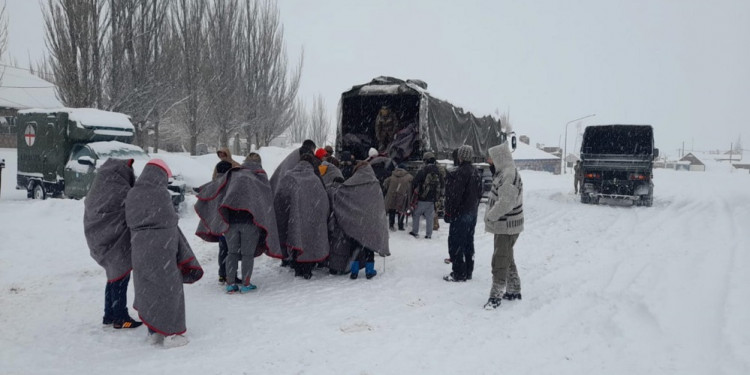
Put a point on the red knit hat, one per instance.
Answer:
(161, 164)
(321, 153)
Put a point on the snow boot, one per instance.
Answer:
(452, 277)
(492, 303)
(370, 270)
(231, 289)
(174, 341)
(355, 270)
(415, 235)
(512, 296)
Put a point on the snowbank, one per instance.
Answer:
(606, 290)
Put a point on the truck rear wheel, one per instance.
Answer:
(38, 192)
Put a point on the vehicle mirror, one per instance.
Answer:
(656, 153)
(86, 160)
(513, 142)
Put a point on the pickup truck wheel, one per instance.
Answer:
(647, 200)
(38, 192)
(585, 198)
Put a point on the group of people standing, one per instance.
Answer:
(131, 226)
(315, 211)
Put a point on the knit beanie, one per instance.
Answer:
(465, 153)
(321, 153)
(372, 153)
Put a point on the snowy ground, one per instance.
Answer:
(607, 290)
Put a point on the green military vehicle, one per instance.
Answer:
(59, 150)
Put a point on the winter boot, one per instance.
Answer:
(355, 270)
(492, 303)
(512, 296)
(126, 323)
(370, 270)
(453, 278)
(231, 289)
(174, 341)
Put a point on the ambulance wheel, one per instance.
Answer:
(38, 192)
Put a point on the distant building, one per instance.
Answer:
(691, 163)
(530, 158)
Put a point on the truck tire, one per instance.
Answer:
(647, 200)
(38, 192)
(585, 199)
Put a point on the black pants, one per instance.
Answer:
(223, 251)
(116, 299)
(461, 245)
(392, 219)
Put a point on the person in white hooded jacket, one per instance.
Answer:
(504, 218)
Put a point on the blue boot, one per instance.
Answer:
(355, 270)
(370, 270)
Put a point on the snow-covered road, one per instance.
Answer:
(607, 289)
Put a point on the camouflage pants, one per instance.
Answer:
(504, 271)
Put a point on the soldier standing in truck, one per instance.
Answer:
(386, 126)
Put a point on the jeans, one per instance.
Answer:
(461, 245)
(504, 271)
(116, 299)
(392, 219)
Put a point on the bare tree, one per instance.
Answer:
(270, 88)
(74, 32)
(299, 129)
(189, 31)
(223, 73)
(320, 123)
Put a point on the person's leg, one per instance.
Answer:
(469, 256)
(401, 221)
(429, 217)
(109, 315)
(249, 237)
(222, 258)
(120, 298)
(501, 259)
(234, 244)
(391, 218)
(514, 281)
(370, 263)
(458, 257)
(418, 212)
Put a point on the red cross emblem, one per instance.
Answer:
(29, 135)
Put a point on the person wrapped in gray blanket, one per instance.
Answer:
(239, 206)
(358, 223)
(301, 206)
(162, 257)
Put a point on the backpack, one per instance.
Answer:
(430, 186)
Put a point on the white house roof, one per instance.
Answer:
(527, 152)
(20, 89)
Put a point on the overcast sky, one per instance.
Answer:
(682, 66)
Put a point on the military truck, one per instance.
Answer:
(59, 150)
(617, 162)
(425, 123)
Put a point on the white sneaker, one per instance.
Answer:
(175, 341)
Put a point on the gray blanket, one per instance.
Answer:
(162, 257)
(287, 164)
(301, 205)
(332, 172)
(243, 189)
(358, 208)
(104, 225)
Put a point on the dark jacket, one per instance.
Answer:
(463, 190)
(431, 196)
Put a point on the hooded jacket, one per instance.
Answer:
(398, 190)
(162, 257)
(227, 158)
(504, 213)
(104, 225)
(245, 189)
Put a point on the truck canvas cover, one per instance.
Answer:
(440, 126)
